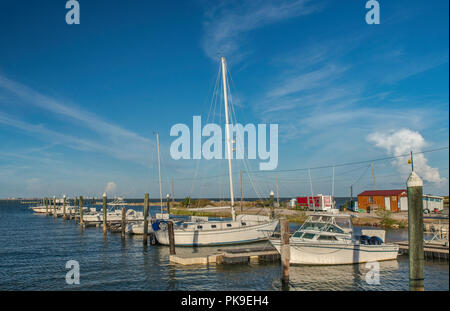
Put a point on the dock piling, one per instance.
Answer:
(54, 207)
(81, 211)
(64, 207)
(285, 253)
(145, 219)
(105, 230)
(168, 203)
(46, 206)
(415, 232)
(171, 237)
(75, 209)
(124, 221)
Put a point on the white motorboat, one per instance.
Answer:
(241, 229)
(328, 239)
(40, 209)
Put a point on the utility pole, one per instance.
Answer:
(241, 189)
(373, 176)
(278, 198)
(351, 197)
(173, 194)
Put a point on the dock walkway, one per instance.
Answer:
(432, 249)
(230, 256)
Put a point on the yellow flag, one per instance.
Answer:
(409, 161)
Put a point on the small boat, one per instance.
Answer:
(327, 239)
(40, 209)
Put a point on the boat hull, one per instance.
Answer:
(239, 235)
(337, 253)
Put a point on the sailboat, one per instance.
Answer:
(201, 232)
(138, 228)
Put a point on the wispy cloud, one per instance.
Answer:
(110, 138)
(226, 24)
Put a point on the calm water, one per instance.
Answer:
(34, 250)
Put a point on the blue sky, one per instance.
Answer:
(79, 103)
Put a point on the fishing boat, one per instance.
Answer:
(240, 229)
(114, 213)
(328, 239)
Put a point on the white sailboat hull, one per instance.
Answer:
(316, 253)
(237, 235)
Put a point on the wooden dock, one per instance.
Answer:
(230, 256)
(432, 250)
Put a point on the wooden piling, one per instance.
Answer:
(54, 207)
(81, 211)
(46, 206)
(415, 232)
(124, 221)
(75, 210)
(64, 208)
(105, 229)
(171, 237)
(285, 253)
(145, 219)
(168, 204)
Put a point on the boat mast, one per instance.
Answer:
(159, 169)
(227, 129)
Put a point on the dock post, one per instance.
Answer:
(171, 237)
(105, 229)
(124, 221)
(54, 207)
(415, 232)
(75, 209)
(46, 206)
(81, 211)
(145, 219)
(64, 207)
(168, 204)
(285, 253)
(272, 211)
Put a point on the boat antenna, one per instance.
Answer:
(227, 129)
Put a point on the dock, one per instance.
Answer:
(432, 249)
(230, 256)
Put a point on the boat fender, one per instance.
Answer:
(375, 240)
(155, 225)
(364, 239)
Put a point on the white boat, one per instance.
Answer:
(40, 209)
(244, 229)
(241, 229)
(114, 215)
(327, 239)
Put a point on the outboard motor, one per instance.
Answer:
(364, 239)
(375, 240)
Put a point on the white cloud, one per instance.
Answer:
(401, 142)
(110, 188)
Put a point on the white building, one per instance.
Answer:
(432, 202)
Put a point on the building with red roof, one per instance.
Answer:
(387, 200)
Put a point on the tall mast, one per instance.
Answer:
(227, 129)
(159, 169)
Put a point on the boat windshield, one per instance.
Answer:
(320, 226)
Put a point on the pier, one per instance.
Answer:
(432, 250)
(230, 256)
